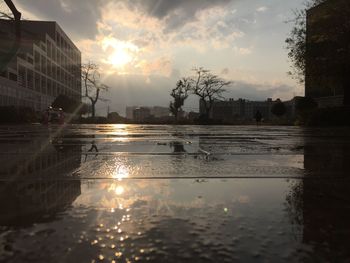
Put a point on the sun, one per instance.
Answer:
(120, 58)
(121, 53)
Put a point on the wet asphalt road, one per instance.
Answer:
(128, 193)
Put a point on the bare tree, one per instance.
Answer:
(208, 87)
(16, 16)
(180, 94)
(92, 85)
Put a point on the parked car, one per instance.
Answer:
(53, 116)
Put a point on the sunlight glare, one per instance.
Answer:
(119, 190)
(121, 52)
(120, 173)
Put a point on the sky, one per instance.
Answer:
(144, 46)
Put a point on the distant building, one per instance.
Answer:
(328, 53)
(141, 114)
(159, 112)
(193, 115)
(241, 109)
(156, 111)
(129, 112)
(47, 64)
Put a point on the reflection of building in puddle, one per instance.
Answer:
(37, 179)
(26, 202)
(319, 204)
(38, 158)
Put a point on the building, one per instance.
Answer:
(47, 64)
(160, 112)
(241, 109)
(129, 112)
(327, 67)
(141, 114)
(227, 110)
(156, 111)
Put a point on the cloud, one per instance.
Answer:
(253, 91)
(177, 13)
(262, 9)
(78, 17)
(243, 51)
(161, 66)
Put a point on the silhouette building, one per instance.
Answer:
(143, 113)
(232, 110)
(327, 53)
(46, 65)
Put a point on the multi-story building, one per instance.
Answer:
(129, 112)
(46, 65)
(327, 65)
(241, 109)
(156, 111)
(141, 114)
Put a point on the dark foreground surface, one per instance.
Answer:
(115, 193)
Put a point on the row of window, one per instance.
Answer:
(46, 66)
(35, 81)
(65, 46)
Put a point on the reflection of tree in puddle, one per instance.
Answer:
(178, 147)
(93, 148)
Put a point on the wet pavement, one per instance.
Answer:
(127, 193)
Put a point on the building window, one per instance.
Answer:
(30, 60)
(13, 76)
(22, 76)
(37, 61)
(43, 85)
(30, 80)
(49, 88)
(37, 82)
(3, 74)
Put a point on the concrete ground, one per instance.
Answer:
(98, 193)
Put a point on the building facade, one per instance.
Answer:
(327, 67)
(155, 111)
(46, 65)
(244, 110)
(141, 114)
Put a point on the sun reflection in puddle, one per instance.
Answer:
(120, 172)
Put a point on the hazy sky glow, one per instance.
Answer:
(144, 46)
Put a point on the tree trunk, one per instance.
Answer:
(6, 58)
(93, 110)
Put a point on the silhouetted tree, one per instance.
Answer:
(92, 85)
(114, 117)
(179, 94)
(296, 42)
(15, 15)
(208, 87)
(279, 109)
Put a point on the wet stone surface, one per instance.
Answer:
(118, 193)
